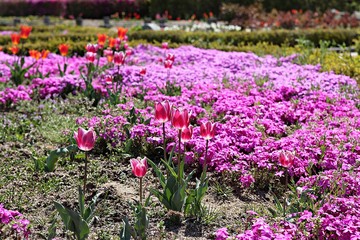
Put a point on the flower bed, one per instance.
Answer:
(262, 105)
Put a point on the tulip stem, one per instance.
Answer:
(179, 154)
(85, 173)
(164, 141)
(286, 185)
(117, 78)
(141, 190)
(205, 158)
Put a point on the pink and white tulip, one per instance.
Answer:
(85, 139)
(139, 167)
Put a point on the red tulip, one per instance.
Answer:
(44, 54)
(112, 42)
(286, 159)
(90, 56)
(163, 111)
(85, 139)
(119, 58)
(170, 57)
(165, 45)
(122, 33)
(63, 48)
(168, 64)
(102, 39)
(35, 54)
(92, 48)
(15, 38)
(139, 167)
(142, 71)
(180, 119)
(186, 134)
(14, 49)
(109, 79)
(207, 130)
(25, 31)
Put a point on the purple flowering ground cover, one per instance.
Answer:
(262, 105)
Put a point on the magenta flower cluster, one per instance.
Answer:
(17, 223)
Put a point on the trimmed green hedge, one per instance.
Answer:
(277, 37)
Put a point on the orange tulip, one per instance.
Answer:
(112, 42)
(122, 33)
(109, 58)
(25, 31)
(63, 48)
(14, 49)
(15, 38)
(35, 54)
(44, 53)
(102, 39)
(1, 48)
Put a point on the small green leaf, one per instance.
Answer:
(54, 156)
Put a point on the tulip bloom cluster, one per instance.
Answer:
(37, 55)
(16, 38)
(169, 60)
(91, 53)
(180, 120)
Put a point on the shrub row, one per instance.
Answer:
(276, 37)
